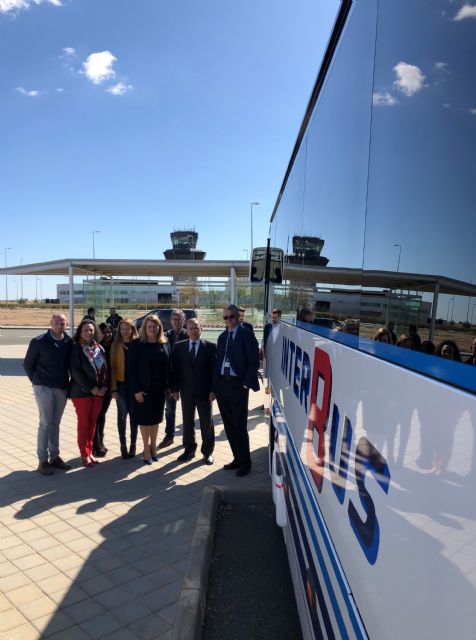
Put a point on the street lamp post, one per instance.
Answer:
(21, 282)
(399, 255)
(252, 204)
(6, 277)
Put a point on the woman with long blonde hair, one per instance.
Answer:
(150, 374)
(126, 334)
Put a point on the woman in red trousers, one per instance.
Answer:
(88, 386)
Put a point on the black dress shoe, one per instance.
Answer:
(186, 456)
(231, 465)
(243, 471)
(45, 469)
(166, 442)
(58, 463)
(208, 459)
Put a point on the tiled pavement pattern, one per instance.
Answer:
(98, 553)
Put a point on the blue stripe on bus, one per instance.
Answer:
(307, 549)
(320, 557)
(350, 604)
(356, 623)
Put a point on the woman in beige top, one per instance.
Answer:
(125, 336)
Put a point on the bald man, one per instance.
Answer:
(46, 364)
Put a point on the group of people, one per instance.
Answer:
(146, 373)
(447, 349)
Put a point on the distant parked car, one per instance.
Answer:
(328, 323)
(164, 316)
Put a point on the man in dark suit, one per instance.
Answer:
(236, 373)
(193, 363)
(243, 322)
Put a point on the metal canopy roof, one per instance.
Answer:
(221, 268)
(109, 268)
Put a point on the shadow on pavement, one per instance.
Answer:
(12, 367)
(132, 578)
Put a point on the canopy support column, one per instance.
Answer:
(233, 285)
(433, 310)
(71, 299)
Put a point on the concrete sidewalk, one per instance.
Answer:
(98, 553)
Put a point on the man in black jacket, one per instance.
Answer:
(176, 334)
(46, 364)
(236, 373)
(193, 362)
(114, 318)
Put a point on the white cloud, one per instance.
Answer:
(60, 89)
(69, 52)
(98, 67)
(14, 6)
(441, 66)
(384, 98)
(466, 11)
(28, 94)
(410, 78)
(119, 89)
(473, 111)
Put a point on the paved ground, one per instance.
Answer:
(97, 553)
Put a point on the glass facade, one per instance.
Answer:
(384, 175)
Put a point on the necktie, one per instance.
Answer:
(193, 352)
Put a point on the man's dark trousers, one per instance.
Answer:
(204, 409)
(232, 400)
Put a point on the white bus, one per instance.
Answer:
(374, 443)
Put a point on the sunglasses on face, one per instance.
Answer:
(228, 317)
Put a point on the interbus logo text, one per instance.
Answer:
(308, 384)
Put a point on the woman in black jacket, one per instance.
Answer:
(150, 365)
(88, 385)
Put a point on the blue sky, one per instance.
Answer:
(137, 117)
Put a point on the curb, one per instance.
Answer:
(192, 602)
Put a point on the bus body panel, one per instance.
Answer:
(378, 490)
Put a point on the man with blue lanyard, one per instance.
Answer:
(236, 373)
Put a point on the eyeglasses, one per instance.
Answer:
(228, 317)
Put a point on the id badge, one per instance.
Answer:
(226, 371)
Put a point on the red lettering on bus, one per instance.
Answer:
(318, 416)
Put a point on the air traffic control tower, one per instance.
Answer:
(184, 246)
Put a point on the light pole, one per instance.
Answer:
(6, 277)
(252, 204)
(472, 311)
(94, 248)
(399, 255)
